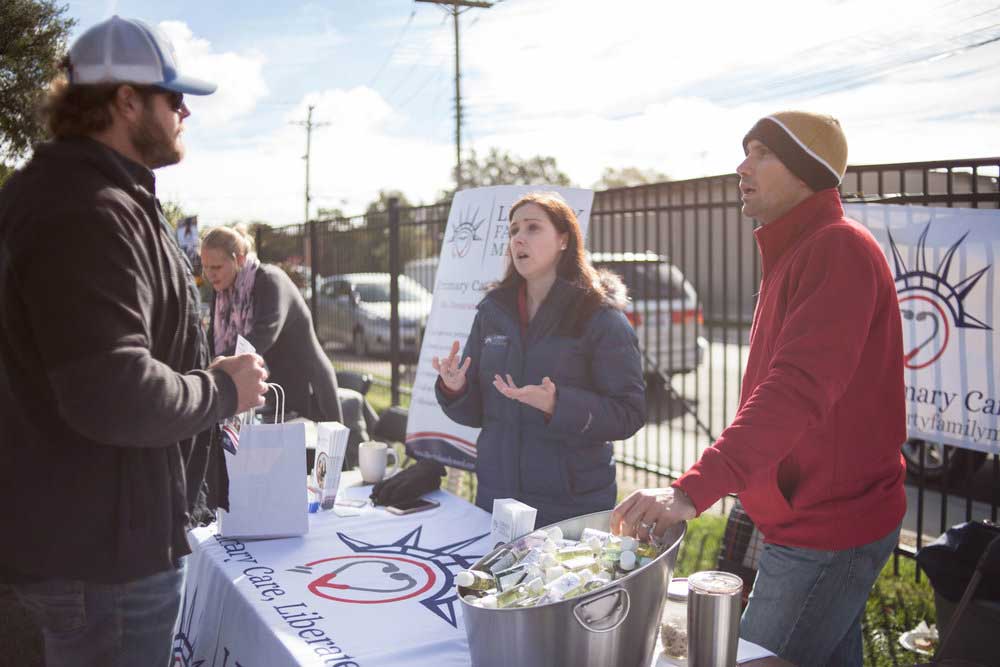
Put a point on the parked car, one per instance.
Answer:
(941, 461)
(354, 309)
(664, 311)
(423, 270)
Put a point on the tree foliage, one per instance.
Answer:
(499, 167)
(173, 212)
(627, 177)
(5, 172)
(32, 40)
(381, 204)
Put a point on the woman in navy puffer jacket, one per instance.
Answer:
(551, 371)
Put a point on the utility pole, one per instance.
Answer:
(309, 235)
(453, 9)
(309, 125)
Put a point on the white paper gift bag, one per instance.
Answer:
(267, 496)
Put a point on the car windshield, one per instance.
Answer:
(376, 292)
(647, 281)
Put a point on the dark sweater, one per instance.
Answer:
(106, 416)
(283, 334)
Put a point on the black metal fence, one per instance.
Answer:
(690, 261)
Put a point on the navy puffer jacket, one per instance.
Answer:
(565, 467)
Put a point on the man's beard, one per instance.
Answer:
(154, 145)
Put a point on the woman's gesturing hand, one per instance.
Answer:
(451, 371)
(541, 396)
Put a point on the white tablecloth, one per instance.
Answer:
(375, 589)
(368, 590)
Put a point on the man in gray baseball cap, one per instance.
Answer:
(108, 400)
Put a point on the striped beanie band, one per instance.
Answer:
(811, 145)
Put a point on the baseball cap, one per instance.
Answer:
(130, 51)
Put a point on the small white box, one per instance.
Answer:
(511, 520)
(331, 446)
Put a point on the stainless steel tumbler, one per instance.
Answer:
(713, 618)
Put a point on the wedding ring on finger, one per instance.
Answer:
(647, 526)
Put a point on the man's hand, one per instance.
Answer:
(541, 396)
(248, 374)
(637, 515)
(452, 373)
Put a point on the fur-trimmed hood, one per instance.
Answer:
(570, 299)
(614, 290)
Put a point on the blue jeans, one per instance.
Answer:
(806, 605)
(106, 625)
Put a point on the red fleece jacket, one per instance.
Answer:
(814, 449)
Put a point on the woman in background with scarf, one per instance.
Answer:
(261, 303)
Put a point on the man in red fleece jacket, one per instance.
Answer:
(814, 449)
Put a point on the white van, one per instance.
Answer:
(664, 311)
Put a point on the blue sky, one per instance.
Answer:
(645, 83)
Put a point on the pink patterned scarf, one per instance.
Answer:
(234, 308)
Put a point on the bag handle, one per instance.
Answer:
(279, 401)
(279, 405)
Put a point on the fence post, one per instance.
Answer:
(313, 271)
(394, 295)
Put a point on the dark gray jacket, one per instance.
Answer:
(565, 467)
(283, 334)
(104, 409)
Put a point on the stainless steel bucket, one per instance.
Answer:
(616, 625)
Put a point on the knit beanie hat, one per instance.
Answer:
(811, 145)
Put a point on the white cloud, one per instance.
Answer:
(241, 84)
(675, 86)
(672, 86)
(354, 156)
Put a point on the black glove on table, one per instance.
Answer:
(409, 484)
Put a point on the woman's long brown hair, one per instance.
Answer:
(573, 265)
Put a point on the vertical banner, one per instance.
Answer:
(187, 236)
(944, 261)
(473, 256)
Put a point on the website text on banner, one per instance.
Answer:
(945, 264)
(473, 256)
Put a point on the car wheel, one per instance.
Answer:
(961, 463)
(359, 343)
(933, 458)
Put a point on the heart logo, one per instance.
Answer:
(391, 569)
(925, 331)
(370, 579)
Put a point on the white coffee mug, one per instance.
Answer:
(373, 458)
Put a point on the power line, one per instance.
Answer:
(455, 12)
(806, 80)
(433, 78)
(392, 51)
(413, 66)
